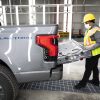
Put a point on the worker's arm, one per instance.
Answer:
(97, 39)
(94, 46)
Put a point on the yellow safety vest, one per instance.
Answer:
(88, 42)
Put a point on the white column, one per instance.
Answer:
(65, 17)
(1, 15)
(11, 12)
(17, 16)
(57, 19)
(43, 14)
(4, 16)
(69, 22)
(32, 12)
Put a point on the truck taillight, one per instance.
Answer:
(50, 43)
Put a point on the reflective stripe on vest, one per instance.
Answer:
(88, 42)
(96, 51)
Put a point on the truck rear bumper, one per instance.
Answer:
(54, 74)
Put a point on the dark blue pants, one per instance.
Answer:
(91, 65)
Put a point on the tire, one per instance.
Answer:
(8, 84)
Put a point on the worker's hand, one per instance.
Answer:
(86, 54)
(89, 47)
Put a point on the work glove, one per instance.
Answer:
(86, 53)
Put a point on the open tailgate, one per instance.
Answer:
(71, 51)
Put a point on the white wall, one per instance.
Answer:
(95, 10)
(78, 17)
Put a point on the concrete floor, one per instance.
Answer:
(53, 95)
(73, 71)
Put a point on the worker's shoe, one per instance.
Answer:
(94, 82)
(79, 85)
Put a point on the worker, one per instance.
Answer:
(92, 43)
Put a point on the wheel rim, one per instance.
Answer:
(2, 94)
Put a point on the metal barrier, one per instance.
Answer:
(41, 14)
(56, 9)
(36, 14)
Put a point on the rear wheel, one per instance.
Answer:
(8, 84)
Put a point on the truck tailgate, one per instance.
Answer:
(71, 51)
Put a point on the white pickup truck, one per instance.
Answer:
(32, 53)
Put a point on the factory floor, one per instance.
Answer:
(62, 89)
(56, 95)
